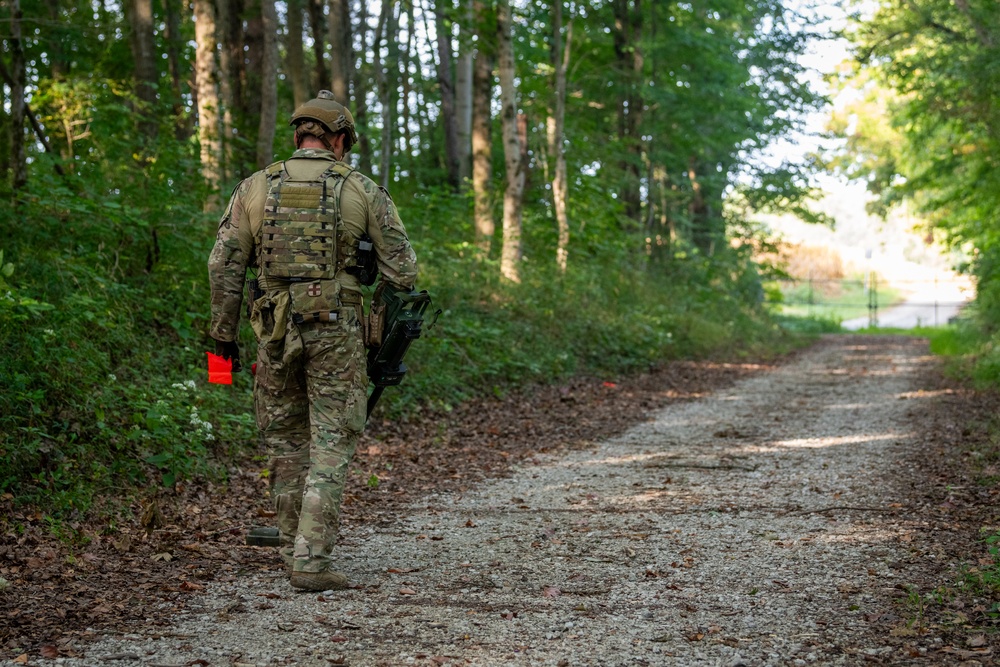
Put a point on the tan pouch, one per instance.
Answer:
(376, 324)
(315, 301)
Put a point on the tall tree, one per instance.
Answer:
(140, 19)
(228, 74)
(463, 90)
(340, 50)
(294, 55)
(17, 103)
(269, 84)
(360, 80)
(317, 26)
(174, 45)
(482, 117)
(510, 255)
(206, 85)
(557, 148)
(448, 117)
(385, 94)
(628, 54)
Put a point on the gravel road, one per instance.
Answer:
(755, 526)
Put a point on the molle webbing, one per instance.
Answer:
(300, 224)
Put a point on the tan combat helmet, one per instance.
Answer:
(330, 115)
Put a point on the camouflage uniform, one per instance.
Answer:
(310, 391)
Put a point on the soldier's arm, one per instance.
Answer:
(227, 266)
(396, 260)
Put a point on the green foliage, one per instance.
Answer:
(924, 130)
(103, 289)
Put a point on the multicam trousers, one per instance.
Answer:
(310, 398)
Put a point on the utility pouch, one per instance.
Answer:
(376, 324)
(314, 301)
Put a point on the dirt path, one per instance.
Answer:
(763, 524)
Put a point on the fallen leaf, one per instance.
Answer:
(49, 651)
(163, 557)
(191, 586)
(21, 659)
(407, 591)
(470, 524)
(338, 638)
(197, 661)
(976, 642)
(551, 592)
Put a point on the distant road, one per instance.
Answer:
(926, 308)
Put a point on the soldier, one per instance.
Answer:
(304, 224)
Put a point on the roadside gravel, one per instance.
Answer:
(760, 525)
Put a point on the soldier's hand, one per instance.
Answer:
(229, 350)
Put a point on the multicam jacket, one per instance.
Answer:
(365, 208)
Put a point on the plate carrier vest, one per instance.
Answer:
(302, 223)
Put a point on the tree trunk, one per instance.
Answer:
(174, 44)
(316, 26)
(17, 101)
(384, 95)
(699, 212)
(627, 32)
(463, 92)
(361, 83)
(59, 65)
(482, 138)
(443, 29)
(510, 255)
(392, 80)
(269, 85)
(140, 19)
(340, 50)
(253, 61)
(208, 100)
(407, 85)
(557, 148)
(295, 57)
(226, 72)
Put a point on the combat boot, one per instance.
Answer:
(319, 581)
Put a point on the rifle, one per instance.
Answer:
(400, 315)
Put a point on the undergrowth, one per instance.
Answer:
(104, 317)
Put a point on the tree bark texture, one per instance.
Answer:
(482, 138)
(384, 94)
(448, 118)
(269, 84)
(17, 101)
(510, 256)
(557, 148)
(224, 35)
(174, 44)
(627, 33)
(317, 25)
(140, 19)
(206, 85)
(294, 55)
(361, 81)
(463, 91)
(340, 50)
